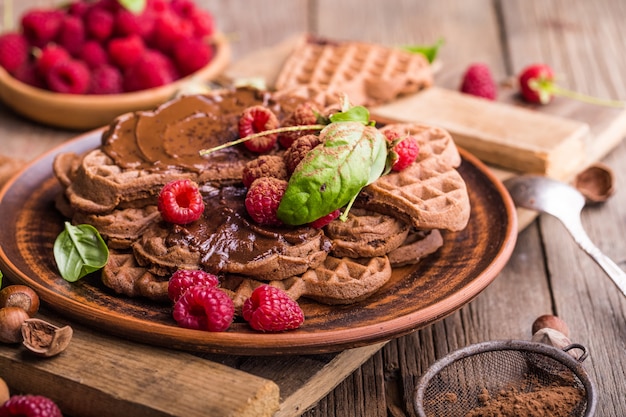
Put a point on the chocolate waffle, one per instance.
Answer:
(430, 193)
(336, 281)
(417, 245)
(366, 234)
(370, 74)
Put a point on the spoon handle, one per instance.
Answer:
(617, 275)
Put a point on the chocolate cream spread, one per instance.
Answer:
(171, 136)
(227, 239)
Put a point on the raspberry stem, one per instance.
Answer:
(587, 99)
(204, 152)
(546, 88)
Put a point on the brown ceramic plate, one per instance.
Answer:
(413, 298)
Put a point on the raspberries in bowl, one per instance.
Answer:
(82, 65)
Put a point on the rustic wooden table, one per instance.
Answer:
(583, 41)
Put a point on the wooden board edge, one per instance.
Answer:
(98, 375)
(322, 383)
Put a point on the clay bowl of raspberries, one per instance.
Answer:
(80, 66)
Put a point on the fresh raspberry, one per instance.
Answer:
(157, 6)
(50, 55)
(258, 119)
(183, 8)
(125, 52)
(536, 82)
(13, 51)
(106, 79)
(168, 29)
(263, 198)
(41, 26)
(204, 308)
(109, 5)
(30, 406)
(201, 20)
(298, 149)
(78, 8)
(324, 220)
(93, 54)
(304, 114)
(28, 74)
(264, 166)
(203, 24)
(479, 82)
(183, 279)
(71, 34)
(180, 202)
(153, 69)
(270, 309)
(69, 77)
(99, 23)
(128, 23)
(404, 149)
(191, 54)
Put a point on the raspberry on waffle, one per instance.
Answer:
(369, 74)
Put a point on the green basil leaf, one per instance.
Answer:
(1, 279)
(429, 51)
(135, 6)
(79, 251)
(354, 114)
(351, 156)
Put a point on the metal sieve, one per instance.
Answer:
(468, 381)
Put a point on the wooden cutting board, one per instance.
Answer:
(102, 375)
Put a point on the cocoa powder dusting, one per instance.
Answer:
(543, 401)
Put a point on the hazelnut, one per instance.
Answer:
(11, 319)
(45, 339)
(550, 322)
(20, 296)
(4, 392)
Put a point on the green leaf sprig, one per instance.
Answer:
(429, 51)
(79, 251)
(353, 154)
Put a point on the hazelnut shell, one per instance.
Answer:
(45, 339)
(595, 183)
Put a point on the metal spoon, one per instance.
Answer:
(565, 203)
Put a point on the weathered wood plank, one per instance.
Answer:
(98, 374)
(580, 40)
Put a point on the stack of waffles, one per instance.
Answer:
(395, 221)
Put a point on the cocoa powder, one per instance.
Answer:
(543, 401)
